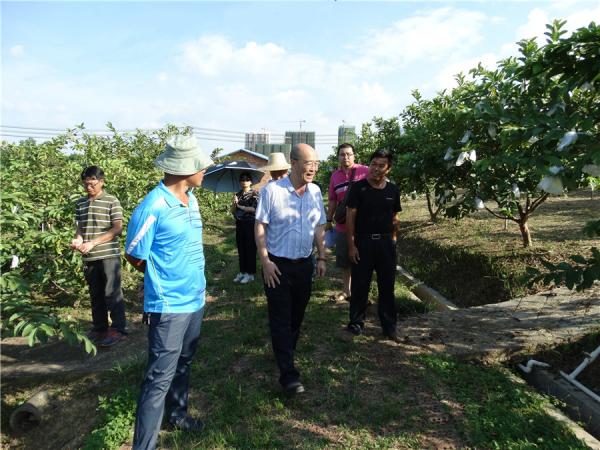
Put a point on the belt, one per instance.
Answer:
(289, 260)
(374, 237)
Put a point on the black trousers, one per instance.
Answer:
(103, 277)
(246, 245)
(378, 255)
(287, 303)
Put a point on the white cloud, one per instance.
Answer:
(17, 50)
(432, 35)
(446, 77)
(207, 55)
(575, 13)
(214, 55)
(162, 76)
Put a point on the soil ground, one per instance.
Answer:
(493, 333)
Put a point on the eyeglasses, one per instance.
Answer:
(92, 183)
(308, 164)
(346, 155)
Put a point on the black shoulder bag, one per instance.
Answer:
(340, 210)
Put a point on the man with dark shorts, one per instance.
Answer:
(372, 218)
(339, 184)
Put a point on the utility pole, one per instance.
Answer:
(300, 122)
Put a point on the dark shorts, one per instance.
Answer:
(341, 251)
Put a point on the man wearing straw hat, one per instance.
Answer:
(278, 167)
(164, 240)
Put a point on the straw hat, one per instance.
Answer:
(182, 156)
(276, 162)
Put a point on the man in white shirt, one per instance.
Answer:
(290, 217)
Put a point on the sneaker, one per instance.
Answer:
(111, 338)
(187, 423)
(239, 277)
(355, 329)
(247, 278)
(96, 336)
(293, 388)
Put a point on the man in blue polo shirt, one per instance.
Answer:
(164, 240)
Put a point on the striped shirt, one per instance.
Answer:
(291, 219)
(94, 217)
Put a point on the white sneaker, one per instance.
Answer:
(247, 278)
(239, 277)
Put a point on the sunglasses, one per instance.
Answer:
(245, 179)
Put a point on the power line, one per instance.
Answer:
(202, 133)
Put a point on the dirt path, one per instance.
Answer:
(501, 331)
(57, 358)
(493, 333)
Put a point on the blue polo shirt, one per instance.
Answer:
(168, 236)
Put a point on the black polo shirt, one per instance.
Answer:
(375, 208)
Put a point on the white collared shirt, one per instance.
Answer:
(291, 219)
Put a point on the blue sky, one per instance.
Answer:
(245, 66)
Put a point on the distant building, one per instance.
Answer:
(346, 134)
(300, 137)
(267, 149)
(252, 139)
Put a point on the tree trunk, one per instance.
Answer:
(524, 229)
(432, 214)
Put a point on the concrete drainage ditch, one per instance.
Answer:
(582, 404)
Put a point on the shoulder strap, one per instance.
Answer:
(352, 173)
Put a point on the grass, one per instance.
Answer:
(475, 260)
(363, 392)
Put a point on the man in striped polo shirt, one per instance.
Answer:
(99, 218)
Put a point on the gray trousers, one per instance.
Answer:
(172, 342)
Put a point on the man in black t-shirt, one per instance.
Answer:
(371, 220)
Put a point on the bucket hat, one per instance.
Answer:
(276, 162)
(182, 156)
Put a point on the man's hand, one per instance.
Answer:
(321, 267)
(353, 254)
(76, 243)
(86, 247)
(270, 272)
(329, 226)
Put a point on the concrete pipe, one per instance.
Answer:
(30, 413)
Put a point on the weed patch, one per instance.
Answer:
(498, 413)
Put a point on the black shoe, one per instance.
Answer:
(187, 423)
(355, 329)
(293, 388)
(392, 336)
